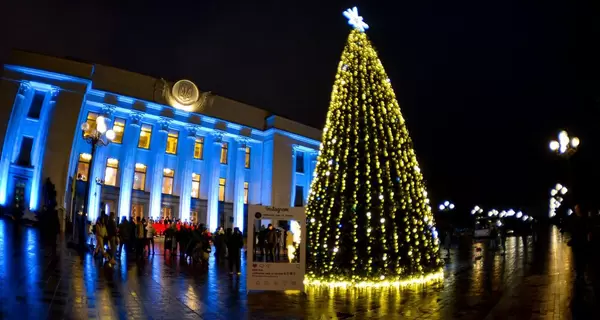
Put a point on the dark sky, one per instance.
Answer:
(483, 85)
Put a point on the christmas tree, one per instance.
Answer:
(369, 219)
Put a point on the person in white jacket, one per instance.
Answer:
(151, 232)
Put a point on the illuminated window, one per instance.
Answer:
(145, 135)
(195, 185)
(224, 152)
(245, 192)
(172, 142)
(112, 172)
(83, 166)
(167, 186)
(119, 129)
(247, 159)
(91, 121)
(137, 210)
(36, 105)
(139, 177)
(221, 189)
(199, 148)
(300, 162)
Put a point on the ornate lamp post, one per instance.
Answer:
(96, 136)
(446, 206)
(566, 147)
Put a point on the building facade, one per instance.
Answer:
(177, 152)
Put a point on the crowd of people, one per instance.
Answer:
(110, 238)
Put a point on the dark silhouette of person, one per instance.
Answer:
(235, 242)
(271, 239)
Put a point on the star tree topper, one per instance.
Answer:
(355, 20)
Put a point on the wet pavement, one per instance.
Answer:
(531, 281)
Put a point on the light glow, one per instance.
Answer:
(355, 20)
(428, 279)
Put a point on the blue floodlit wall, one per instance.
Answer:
(135, 113)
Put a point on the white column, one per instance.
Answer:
(10, 140)
(213, 171)
(186, 167)
(293, 193)
(131, 138)
(98, 168)
(39, 147)
(238, 187)
(159, 148)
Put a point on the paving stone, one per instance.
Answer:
(530, 281)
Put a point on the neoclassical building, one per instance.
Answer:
(176, 151)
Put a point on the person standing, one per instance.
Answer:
(101, 235)
(580, 236)
(111, 231)
(140, 238)
(235, 243)
(220, 244)
(124, 239)
(150, 233)
(271, 242)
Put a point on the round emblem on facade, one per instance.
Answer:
(185, 92)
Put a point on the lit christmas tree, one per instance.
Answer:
(369, 219)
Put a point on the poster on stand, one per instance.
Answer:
(276, 256)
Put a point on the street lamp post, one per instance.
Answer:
(97, 136)
(446, 206)
(566, 147)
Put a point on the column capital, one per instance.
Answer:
(163, 124)
(108, 110)
(136, 118)
(24, 88)
(242, 143)
(192, 131)
(217, 137)
(54, 92)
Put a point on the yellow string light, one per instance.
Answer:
(370, 223)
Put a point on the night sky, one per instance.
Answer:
(483, 85)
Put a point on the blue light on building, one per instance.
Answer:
(166, 133)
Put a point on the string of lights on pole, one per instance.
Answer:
(565, 146)
(556, 198)
(446, 206)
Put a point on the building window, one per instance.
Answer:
(166, 212)
(299, 198)
(145, 135)
(139, 177)
(199, 148)
(300, 162)
(137, 210)
(24, 159)
(245, 192)
(112, 172)
(91, 121)
(119, 129)
(222, 189)
(247, 158)
(83, 166)
(36, 105)
(195, 185)
(167, 186)
(224, 152)
(172, 142)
